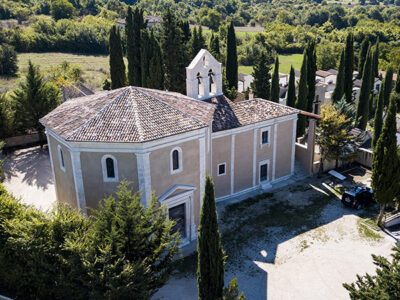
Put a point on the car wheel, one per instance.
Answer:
(358, 206)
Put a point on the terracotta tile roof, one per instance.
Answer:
(128, 114)
(132, 114)
(229, 115)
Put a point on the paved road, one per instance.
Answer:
(28, 176)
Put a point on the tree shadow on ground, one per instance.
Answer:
(33, 164)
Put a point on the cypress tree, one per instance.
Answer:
(311, 70)
(385, 166)
(397, 84)
(117, 65)
(134, 25)
(365, 91)
(362, 56)
(301, 102)
(349, 68)
(261, 82)
(214, 46)
(146, 56)
(291, 92)
(185, 31)
(210, 266)
(275, 89)
(175, 56)
(156, 71)
(378, 121)
(200, 36)
(387, 86)
(339, 87)
(231, 64)
(194, 41)
(375, 62)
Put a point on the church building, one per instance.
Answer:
(165, 142)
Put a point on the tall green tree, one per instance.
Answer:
(184, 25)
(311, 70)
(386, 164)
(291, 92)
(375, 60)
(134, 25)
(275, 88)
(197, 41)
(365, 92)
(117, 65)
(231, 63)
(261, 73)
(362, 56)
(338, 92)
(214, 46)
(397, 84)
(8, 61)
(302, 96)
(145, 56)
(378, 118)
(211, 257)
(7, 115)
(175, 56)
(156, 69)
(349, 67)
(387, 86)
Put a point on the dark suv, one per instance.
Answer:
(358, 197)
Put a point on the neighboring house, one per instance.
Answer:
(151, 21)
(244, 82)
(167, 142)
(328, 77)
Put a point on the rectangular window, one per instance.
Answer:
(62, 159)
(221, 169)
(265, 136)
(264, 172)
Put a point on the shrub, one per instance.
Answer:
(61, 9)
(8, 60)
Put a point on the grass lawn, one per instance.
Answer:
(95, 67)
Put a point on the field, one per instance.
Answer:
(95, 68)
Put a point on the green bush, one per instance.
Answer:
(8, 61)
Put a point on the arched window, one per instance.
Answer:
(200, 87)
(212, 87)
(61, 158)
(176, 160)
(110, 168)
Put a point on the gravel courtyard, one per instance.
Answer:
(297, 242)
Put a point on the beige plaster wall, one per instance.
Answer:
(243, 169)
(284, 144)
(95, 187)
(221, 153)
(65, 185)
(162, 179)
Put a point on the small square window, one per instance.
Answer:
(265, 137)
(221, 169)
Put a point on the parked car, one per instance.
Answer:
(358, 197)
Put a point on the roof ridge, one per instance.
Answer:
(100, 112)
(167, 104)
(137, 118)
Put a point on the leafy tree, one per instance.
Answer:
(333, 136)
(62, 9)
(211, 257)
(338, 92)
(117, 65)
(291, 92)
(349, 67)
(384, 285)
(385, 164)
(174, 54)
(231, 64)
(378, 119)
(8, 60)
(134, 25)
(362, 56)
(301, 101)
(34, 99)
(311, 70)
(232, 292)
(275, 88)
(214, 46)
(132, 247)
(261, 83)
(387, 86)
(365, 91)
(211, 18)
